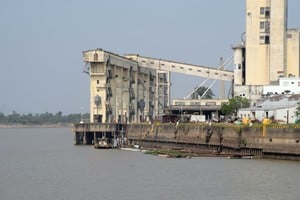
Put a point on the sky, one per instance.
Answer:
(41, 44)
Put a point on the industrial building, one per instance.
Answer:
(133, 88)
(118, 88)
(269, 50)
(280, 108)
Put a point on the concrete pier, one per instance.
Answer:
(97, 134)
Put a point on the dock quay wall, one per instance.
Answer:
(266, 142)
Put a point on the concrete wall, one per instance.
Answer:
(278, 28)
(183, 133)
(257, 52)
(271, 140)
(275, 139)
(266, 46)
(293, 52)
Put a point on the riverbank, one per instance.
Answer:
(36, 125)
(192, 153)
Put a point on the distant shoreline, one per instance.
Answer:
(36, 125)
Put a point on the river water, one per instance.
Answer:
(43, 164)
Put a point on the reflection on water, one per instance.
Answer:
(41, 163)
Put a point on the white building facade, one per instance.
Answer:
(279, 108)
(286, 86)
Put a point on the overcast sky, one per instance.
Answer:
(41, 43)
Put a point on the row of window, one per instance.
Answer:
(264, 25)
(195, 103)
(264, 38)
(96, 68)
(253, 93)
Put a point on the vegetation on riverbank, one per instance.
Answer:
(171, 153)
(45, 119)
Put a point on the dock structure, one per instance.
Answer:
(101, 135)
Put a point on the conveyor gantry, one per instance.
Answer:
(183, 68)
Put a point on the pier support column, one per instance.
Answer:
(95, 139)
(84, 138)
(76, 140)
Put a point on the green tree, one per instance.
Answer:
(200, 91)
(14, 117)
(43, 118)
(226, 109)
(2, 118)
(298, 110)
(234, 104)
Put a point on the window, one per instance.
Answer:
(179, 103)
(267, 114)
(96, 68)
(261, 39)
(264, 26)
(265, 12)
(95, 57)
(267, 39)
(210, 103)
(264, 39)
(267, 27)
(262, 10)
